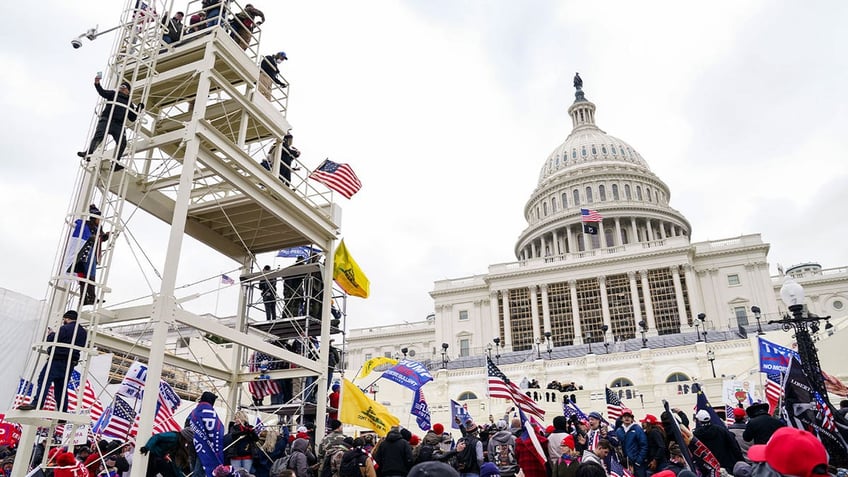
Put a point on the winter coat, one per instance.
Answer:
(501, 446)
(760, 428)
(721, 443)
(298, 461)
(394, 455)
(527, 459)
(634, 443)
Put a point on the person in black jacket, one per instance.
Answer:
(61, 361)
(116, 110)
(175, 28)
(721, 442)
(394, 455)
(268, 290)
(760, 425)
(269, 66)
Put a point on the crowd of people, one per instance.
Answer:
(757, 445)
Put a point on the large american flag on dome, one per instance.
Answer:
(589, 215)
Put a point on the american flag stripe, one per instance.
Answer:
(614, 405)
(259, 388)
(121, 419)
(588, 215)
(339, 177)
(773, 390)
(501, 387)
(89, 400)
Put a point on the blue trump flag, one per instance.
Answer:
(775, 358)
(421, 411)
(409, 374)
(299, 251)
(208, 436)
(458, 414)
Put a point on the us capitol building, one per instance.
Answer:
(636, 306)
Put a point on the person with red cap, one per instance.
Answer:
(634, 442)
(789, 452)
(568, 461)
(657, 454)
(740, 419)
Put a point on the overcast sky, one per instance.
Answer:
(447, 109)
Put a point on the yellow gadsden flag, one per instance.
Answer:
(360, 410)
(348, 274)
(372, 363)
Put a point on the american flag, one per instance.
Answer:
(23, 394)
(168, 403)
(614, 405)
(501, 387)
(227, 280)
(339, 177)
(728, 415)
(259, 388)
(117, 420)
(774, 390)
(827, 420)
(89, 400)
(570, 410)
(616, 469)
(588, 215)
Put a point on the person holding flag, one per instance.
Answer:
(530, 448)
(208, 435)
(718, 440)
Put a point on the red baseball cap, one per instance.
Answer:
(792, 451)
(650, 419)
(738, 412)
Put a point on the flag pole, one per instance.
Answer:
(218, 293)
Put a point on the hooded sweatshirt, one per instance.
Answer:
(394, 456)
(502, 452)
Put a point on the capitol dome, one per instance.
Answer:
(594, 170)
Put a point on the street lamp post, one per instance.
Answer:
(702, 318)
(538, 350)
(711, 359)
(404, 350)
(756, 311)
(588, 338)
(444, 355)
(801, 323)
(604, 329)
(643, 328)
(549, 344)
(373, 390)
(489, 350)
(497, 350)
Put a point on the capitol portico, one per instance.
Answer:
(635, 304)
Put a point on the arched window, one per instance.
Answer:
(677, 378)
(574, 153)
(467, 395)
(553, 205)
(564, 201)
(575, 197)
(583, 151)
(638, 192)
(656, 197)
(588, 195)
(602, 192)
(648, 193)
(627, 192)
(621, 383)
(624, 239)
(615, 192)
(545, 209)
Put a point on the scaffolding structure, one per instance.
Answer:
(193, 160)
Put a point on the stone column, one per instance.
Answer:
(555, 249)
(634, 297)
(602, 240)
(546, 312)
(662, 230)
(649, 307)
(534, 311)
(617, 238)
(575, 312)
(634, 230)
(493, 312)
(602, 281)
(693, 286)
(543, 247)
(678, 295)
(650, 231)
(570, 237)
(507, 327)
(533, 249)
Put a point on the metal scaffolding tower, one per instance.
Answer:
(193, 161)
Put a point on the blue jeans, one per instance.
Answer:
(245, 464)
(58, 378)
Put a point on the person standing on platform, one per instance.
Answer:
(61, 361)
(175, 28)
(271, 72)
(268, 290)
(333, 412)
(116, 110)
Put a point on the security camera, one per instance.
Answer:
(76, 43)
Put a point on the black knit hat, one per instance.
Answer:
(71, 315)
(208, 397)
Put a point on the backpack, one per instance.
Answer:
(333, 460)
(504, 457)
(279, 466)
(352, 463)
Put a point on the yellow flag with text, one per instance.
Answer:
(373, 363)
(348, 274)
(360, 410)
